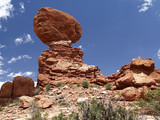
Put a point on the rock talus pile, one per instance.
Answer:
(136, 78)
(62, 63)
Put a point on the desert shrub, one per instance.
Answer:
(35, 111)
(1, 108)
(96, 110)
(16, 102)
(108, 86)
(37, 91)
(78, 84)
(48, 87)
(151, 102)
(72, 116)
(85, 84)
(58, 84)
(61, 116)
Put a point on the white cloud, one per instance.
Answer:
(26, 38)
(22, 9)
(6, 9)
(80, 46)
(158, 54)
(2, 46)
(146, 5)
(28, 73)
(13, 59)
(3, 71)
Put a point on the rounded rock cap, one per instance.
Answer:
(54, 25)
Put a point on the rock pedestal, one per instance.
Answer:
(62, 63)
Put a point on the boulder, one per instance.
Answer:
(44, 103)
(6, 90)
(22, 86)
(25, 101)
(140, 63)
(140, 72)
(130, 94)
(52, 25)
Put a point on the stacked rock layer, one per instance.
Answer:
(136, 78)
(62, 63)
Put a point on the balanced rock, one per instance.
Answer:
(52, 25)
(62, 63)
(22, 86)
(6, 90)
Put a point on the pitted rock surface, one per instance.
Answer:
(62, 63)
(52, 25)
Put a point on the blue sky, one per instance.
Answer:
(113, 33)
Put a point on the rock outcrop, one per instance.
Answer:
(54, 25)
(62, 63)
(140, 73)
(22, 86)
(6, 90)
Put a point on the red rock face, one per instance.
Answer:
(62, 63)
(54, 25)
(22, 86)
(133, 77)
(6, 90)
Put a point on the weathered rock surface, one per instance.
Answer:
(62, 63)
(6, 90)
(132, 93)
(22, 86)
(52, 25)
(133, 77)
(25, 101)
(44, 103)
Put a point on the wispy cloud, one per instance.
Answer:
(28, 73)
(146, 5)
(158, 54)
(2, 46)
(26, 38)
(14, 59)
(22, 8)
(6, 9)
(2, 71)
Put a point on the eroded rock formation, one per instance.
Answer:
(136, 78)
(62, 63)
(20, 86)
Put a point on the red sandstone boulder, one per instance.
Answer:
(52, 25)
(22, 86)
(6, 90)
(131, 93)
(140, 72)
(142, 64)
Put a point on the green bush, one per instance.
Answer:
(37, 91)
(72, 116)
(96, 110)
(78, 84)
(35, 111)
(1, 108)
(108, 86)
(151, 102)
(61, 116)
(85, 84)
(16, 102)
(59, 84)
(48, 87)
